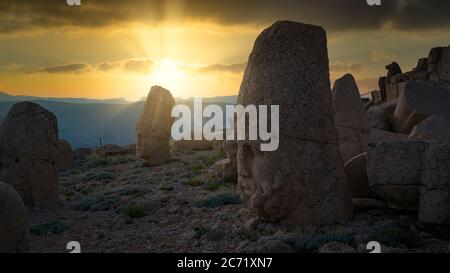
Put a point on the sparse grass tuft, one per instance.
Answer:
(134, 211)
(196, 168)
(219, 200)
(199, 231)
(96, 162)
(398, 235)
(194, 182)
(231, 180)
(99, 176)
(55, 227)
(213, 185)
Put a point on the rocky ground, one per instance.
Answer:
(119, 204)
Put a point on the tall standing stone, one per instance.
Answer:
(303, 182)
(154, 126)
(351, 119)
(29, 148)
(14, 223)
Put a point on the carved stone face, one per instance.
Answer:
(257, 179)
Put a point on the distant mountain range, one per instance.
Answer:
(83, 121)
(6, 97)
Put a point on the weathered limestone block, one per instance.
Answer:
(394, 170)
(434, 205)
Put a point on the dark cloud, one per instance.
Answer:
(233, 68)
(346, 67)
(332, 14)
(142, 66)
(63, 68)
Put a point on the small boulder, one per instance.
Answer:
(366, 204)
(193, 145)
(336, 247)
(14, 223)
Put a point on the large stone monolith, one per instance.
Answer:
(302, 183)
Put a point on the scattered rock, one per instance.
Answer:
(14, 223)
(393, 70)
(29, 148)
(151, 207)
(366, 204)
(268, 246)
(154, 127)
(419, 101)
(282, 186)
(193, 145)
(337, 247)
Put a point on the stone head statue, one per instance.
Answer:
(303, 182)
(154, 126)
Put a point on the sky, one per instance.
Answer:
(110, 49)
